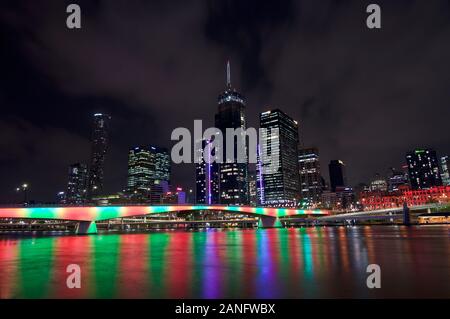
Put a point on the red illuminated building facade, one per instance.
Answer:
(371, 200)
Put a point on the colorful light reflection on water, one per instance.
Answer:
(264, 263)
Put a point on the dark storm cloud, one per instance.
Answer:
(244, 28)
(370, 95)
(40, 153)
(365, 96)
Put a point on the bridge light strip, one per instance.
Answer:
(110, 212)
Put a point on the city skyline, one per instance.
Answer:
(149, 174)
(225, 157)
(369, 127)
(99, 146)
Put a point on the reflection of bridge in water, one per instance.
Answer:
(88, 216)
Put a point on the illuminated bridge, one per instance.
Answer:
(87, 216)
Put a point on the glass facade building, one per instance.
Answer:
(161, 158)
(233, 176)
(141, 169)
(252, 188)
(278, 156)
(337, 174)
(148, 168)
(423, 168)
(310, 176)
(206, 178)
(77, 184)
(98, 154)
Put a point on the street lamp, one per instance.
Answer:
(23, 188)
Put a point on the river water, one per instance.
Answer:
(326, 262)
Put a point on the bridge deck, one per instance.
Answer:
(111, 212)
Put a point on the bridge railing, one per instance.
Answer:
(53, 205)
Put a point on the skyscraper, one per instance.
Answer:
(423, 168)
(161, 176)
(337, 174)
(310, 176)
(99, 149)
(141, 169)
(445, 166)
(232, 175)
(206, 178)
(252, 188)
(148, 169)
(279, 157)
(161, 159)
(77, 184)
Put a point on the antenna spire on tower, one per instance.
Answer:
(228, 74)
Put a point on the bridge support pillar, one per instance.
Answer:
(269, 222)
(406, 220)
(86, 228)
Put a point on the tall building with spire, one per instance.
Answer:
(233, 184)
(99, 150)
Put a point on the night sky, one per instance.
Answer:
(360, 95)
